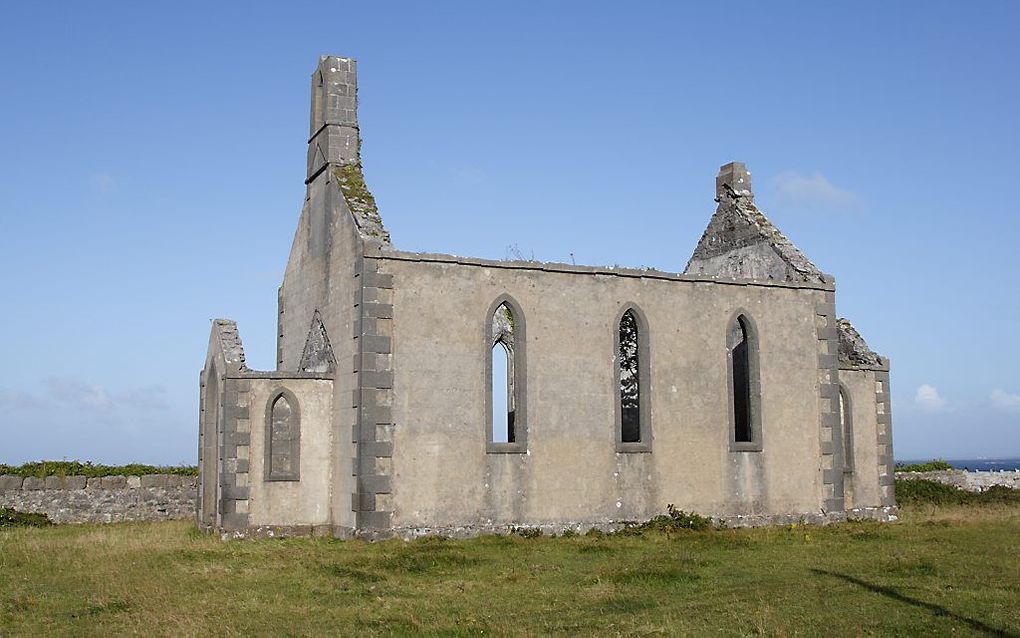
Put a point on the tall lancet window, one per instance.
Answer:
(745, 395)
(283, 438)
(633, 431)
(846, 425)
(630, 379)
(506, 376)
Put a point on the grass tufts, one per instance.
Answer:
(42, 469)
(13, 518)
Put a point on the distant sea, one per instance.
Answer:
(975, 464)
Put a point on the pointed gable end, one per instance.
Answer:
(318, 354)
(742, 243)
(854, 351)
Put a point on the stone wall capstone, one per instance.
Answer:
(972, 481)
(105, 499)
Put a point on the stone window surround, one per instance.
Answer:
(754, 378)
(295, 473)
(644, 383)
(520, 367)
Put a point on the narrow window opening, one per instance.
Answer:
(502, 414)
(504, 379)
(743, 432)
(630, 379)
(846, 426)
(283, 440)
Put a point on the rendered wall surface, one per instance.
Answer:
(321, 276)
(572, 472)
(862, 486)
(300, 502)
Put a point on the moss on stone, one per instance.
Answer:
(360, 200)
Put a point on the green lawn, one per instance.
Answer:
(942, 570)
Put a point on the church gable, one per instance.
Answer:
(853, 350)
(318, 353)
(741, 242)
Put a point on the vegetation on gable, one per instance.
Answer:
(351, 179)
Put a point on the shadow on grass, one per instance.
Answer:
(938, 610)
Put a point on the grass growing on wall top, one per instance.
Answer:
(929, 466)
(942, 570)
(42, 469)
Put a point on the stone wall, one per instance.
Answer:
(107, 499)
(964, 480)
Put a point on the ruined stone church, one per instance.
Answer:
(421, 393)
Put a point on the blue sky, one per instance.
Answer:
(152, 158)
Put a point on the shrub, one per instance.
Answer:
(526, 532)
(931, 466)
(42, 469)
(673, 520)
(13, 518)
(925, 492)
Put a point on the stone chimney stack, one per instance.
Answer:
(334, 138)
(736, 176)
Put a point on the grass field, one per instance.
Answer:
(942, 570)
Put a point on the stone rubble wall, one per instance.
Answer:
(965, 480)
(106, 499)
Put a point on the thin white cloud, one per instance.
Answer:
(102, 182)
(1005, 400)
(148, 398)
(814, 192)
(928, 399)
(78, 393)
(82, 395)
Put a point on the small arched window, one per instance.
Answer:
(633, 431)
(505, 386)
(846, 426)
(283, 438)
(745, 389)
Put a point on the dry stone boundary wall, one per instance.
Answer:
(106, 499)
(976, 481)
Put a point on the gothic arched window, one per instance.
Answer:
(745, 386)
(283, 438)
(633, 431)
(505, 396)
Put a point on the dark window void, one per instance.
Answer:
(847, 428)
(504, 399)
(742, 430)
(630, 379)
